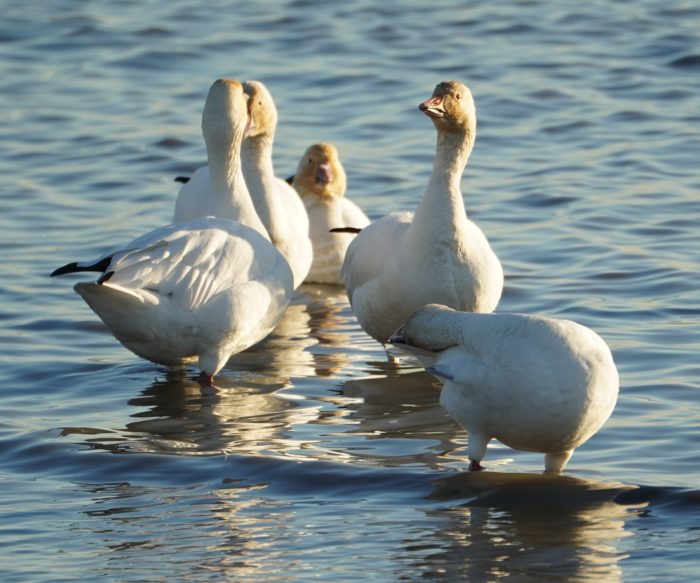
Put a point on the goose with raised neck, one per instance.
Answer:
(276, 202)
(437, 255)
(219, 189)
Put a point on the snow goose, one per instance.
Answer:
(275, 203)
(204, 289)
(437, 255)
(219, 189)
(320, 181)
(534, 383)
(278, 205)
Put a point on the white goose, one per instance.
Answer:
(274, 202)
(219, 189)
(321, 184)
(200, 290)
(405, 261)
(535, 384)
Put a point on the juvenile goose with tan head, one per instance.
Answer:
(321, 183)
(534, 383)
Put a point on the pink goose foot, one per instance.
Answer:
(205, 379)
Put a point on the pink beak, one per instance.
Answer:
(324, 174)
(433, 106)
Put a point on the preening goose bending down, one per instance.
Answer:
(437, 255)
(535, 384)
(321, 184)
(249, 187)
(200, 290)
(219, 189)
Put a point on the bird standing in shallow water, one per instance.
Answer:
(535, 384)
(205, 288)
(437, 255)
(276, 202)
(201, 290)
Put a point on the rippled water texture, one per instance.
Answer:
(314, 458)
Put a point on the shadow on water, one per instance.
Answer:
(492, 525)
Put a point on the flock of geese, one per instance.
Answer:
(220, 277)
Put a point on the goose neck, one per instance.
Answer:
(441, 210)
(229, 187)
(451, 155)
(259, 174)
(256, 155)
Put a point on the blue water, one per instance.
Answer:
(314, 459)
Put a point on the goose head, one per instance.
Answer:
(225, 116)
(261, 109)
(451, 107)
(431, 328)
(320, 173)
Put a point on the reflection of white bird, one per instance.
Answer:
(204, 289)
(285, 353)
(321, 183)
(534, 383)
(404, 261)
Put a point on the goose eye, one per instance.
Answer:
(458, 96)
(311, 161)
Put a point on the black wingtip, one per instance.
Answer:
(353, 230)
(100, 266)
(68, 268)
(290, 179)
(182, 179)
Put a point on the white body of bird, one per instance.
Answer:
(201, 290)
(437, 255)
(242, 185)
(535, 384)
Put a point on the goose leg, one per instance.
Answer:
(477, 450)
(205, 379)
(555, 462)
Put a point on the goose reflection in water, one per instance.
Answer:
(311, 339)
(285, 353)
(332, 325)
(525, 526)
(242, 416)
(386, 420)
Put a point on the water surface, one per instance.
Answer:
(315, 459)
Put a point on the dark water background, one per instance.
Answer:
(315, 460)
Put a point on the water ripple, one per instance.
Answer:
(313, 451)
